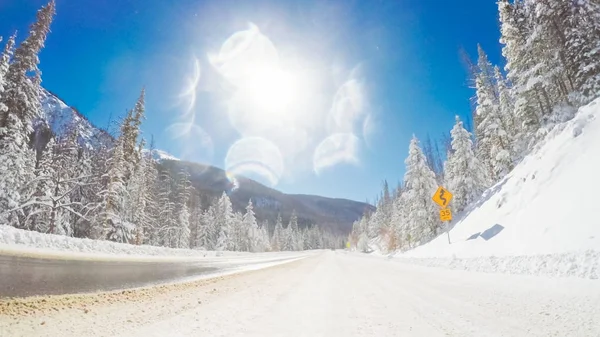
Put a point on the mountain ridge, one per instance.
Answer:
(337, 214)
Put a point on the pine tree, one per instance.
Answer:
(183, 190)
(204, 237)
(19, 105)
(224, 220)
(167, 218)
(21, 95)
(265, 238)
(4, 64)
(421, 220)
(95, 199)
(294, 232)
(113, 197)
(398, 216)
(466, 177)
(278, 235)
(515, 29)
(249, 222)
(57, 178)
(84, 195)
(137, 188)
(582, 44)
(494, 144)
(150, 223)
(240, 236)
(486, 110)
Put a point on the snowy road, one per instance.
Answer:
(338, 294)
(30, 276)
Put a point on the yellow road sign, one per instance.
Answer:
(442, 197)
(446, 214)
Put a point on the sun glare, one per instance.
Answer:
(279, 102)
(270, 89)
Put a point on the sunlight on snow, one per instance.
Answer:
(290, 113)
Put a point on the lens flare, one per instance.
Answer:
(193, 142)
(255, 156)
(234, 184)
(266, 93)
(335, 149)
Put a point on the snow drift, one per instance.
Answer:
(547, 206)
(29, 242)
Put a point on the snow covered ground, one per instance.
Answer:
(22, 242)
(332, 294)
(541, 219)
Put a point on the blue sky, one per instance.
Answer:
(354, 81)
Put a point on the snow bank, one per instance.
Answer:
(18, 241)
(547, 206)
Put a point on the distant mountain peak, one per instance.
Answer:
(160, 155)
(60, 117)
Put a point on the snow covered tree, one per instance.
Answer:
(278, 235)
(4, 64)
(113, 198)
(204, 237)
(224, 220)
(57, 179)
(137, 189)
(294, 232)
(149, 196)
(265, 238)
(422, 215)
(84, 195)
(19, 105)
(486, 116)
(183, 192)
(494, 145)
(466, 177)
(21, 93)
(434, 159)
(167, 217)
(582, 44)
(130, 131)
(249, 222)
(520, 63)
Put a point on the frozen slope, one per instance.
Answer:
(60, 117)
(549, 204)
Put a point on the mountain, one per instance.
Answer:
(60, 117)
(335, 214)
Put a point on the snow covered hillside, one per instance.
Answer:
(547, 205)
(160, 155)
(60, 117)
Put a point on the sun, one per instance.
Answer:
(269, 88)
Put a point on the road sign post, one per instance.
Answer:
(442, 197)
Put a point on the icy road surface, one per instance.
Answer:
(338, 294)
(22, 275)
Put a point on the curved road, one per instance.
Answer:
(26, 276)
